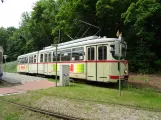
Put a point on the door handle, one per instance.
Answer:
(90, 76)
(102, 77)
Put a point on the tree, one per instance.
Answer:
(109, 15)
(144, 18)
(4, 38)
(42, 23)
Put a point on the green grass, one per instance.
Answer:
(142, 98)
(9, 112)
(10, 67)
(139, 98)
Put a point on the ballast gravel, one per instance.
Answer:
(95, 111)
(16, 78)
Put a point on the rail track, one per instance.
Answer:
(65, 116)
(45, 112)
(95, 101)
(38, 110)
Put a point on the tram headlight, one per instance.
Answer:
(125, 71)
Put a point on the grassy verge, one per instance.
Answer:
(11, 112)
(10, 67)
(142, 98)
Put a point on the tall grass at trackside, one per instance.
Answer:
(10, 67)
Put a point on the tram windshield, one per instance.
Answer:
(123, 52)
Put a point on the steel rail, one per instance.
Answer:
(97, 101)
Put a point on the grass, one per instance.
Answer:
(143, 98)
(139, 98)
(8, 112)
(10, 67)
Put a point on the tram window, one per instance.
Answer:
(78, 53)
(19, 60)
(25, 60)
(41, 58)
(102, 53)
(46, 57)
(22, 60)
(34, 58)
(54, 56)
(49, 57)
(31, 59)
(91, 53)
(66, 55)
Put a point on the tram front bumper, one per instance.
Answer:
(114, 78)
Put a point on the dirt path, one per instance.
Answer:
(140, 80)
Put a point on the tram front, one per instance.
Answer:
(119, 65)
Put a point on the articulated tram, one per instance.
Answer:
(91, 58)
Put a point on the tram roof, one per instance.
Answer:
(81, 42)
(32, 53)
(91, 40)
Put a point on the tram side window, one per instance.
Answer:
(66, 55)
(54, 56)
(22, 60)
(78, 53)
(46, 57)
(91, 53)
(26, 60)
(102, 53)
(31, 59)
(41, 58)
(34, 58)
(49, 57)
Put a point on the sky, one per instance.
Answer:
(11, 11)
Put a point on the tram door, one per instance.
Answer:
(46, 63)
(91, 62)
(102, 64)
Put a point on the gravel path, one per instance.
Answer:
(16, 78)
(95, 111)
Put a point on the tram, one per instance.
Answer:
(91, 58)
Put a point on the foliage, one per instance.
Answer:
(10, 67)
(143, 18)
(139, 20)
(3, 38)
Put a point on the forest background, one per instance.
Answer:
(139, 20)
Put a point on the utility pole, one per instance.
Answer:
(5, 57)
(119, 74)
(120, 64)
(56, 64)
